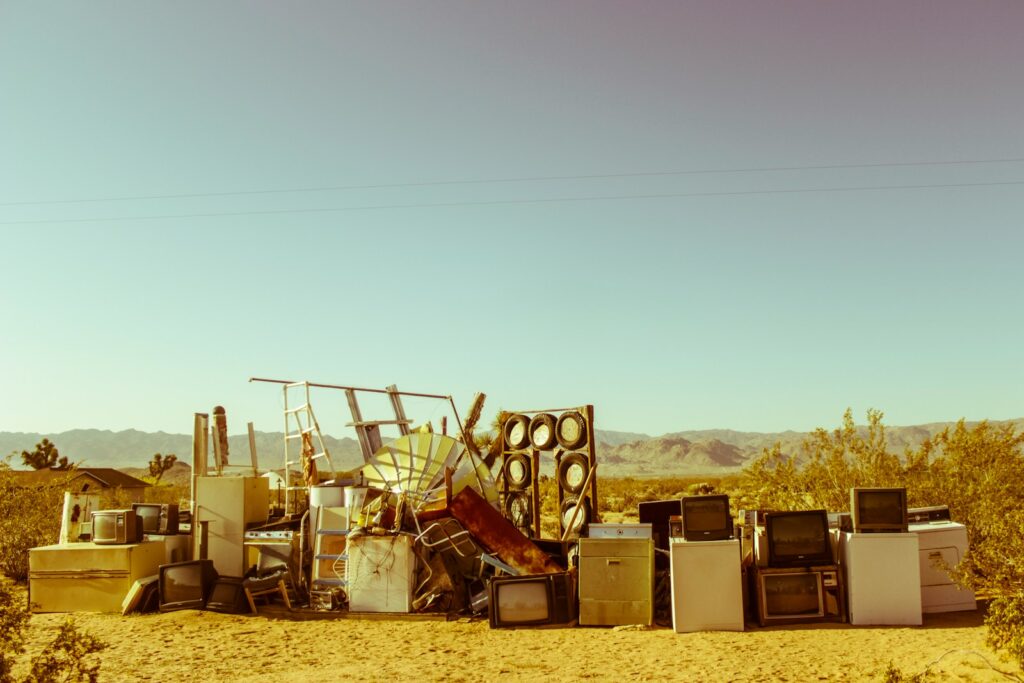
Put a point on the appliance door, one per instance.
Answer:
(82, 591)
(616, 584)
(707, 586)
(935, 564)
(380, 573)
(615, 590)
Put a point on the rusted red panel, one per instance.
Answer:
(498, 535)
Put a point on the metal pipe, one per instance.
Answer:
(546, 410)
(342, 387)
(579, 503)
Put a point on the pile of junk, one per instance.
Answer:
(422, 526)
(431, 523)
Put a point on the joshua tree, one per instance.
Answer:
(45, 455)
(160, 464)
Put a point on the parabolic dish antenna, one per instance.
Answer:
(415, 464)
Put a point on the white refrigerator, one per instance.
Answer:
(883, 579)
(225, 507)
(707, 585)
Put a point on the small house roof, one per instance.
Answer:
(107, 476)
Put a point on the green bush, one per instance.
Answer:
(29, 517)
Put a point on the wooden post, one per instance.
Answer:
(199, 455)
(592, 453)
(535, 464)
(252, 451)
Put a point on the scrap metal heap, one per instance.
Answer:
(417, 528)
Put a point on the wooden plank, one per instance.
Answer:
(252, 451)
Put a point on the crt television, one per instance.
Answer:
(532, 600)
(798, 538)
(791, 596)
(706, 518)
(186, 585)
(657, 514)
(878, 510)
(116, 527)
(227, 595)
(158, 518)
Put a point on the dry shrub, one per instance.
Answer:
(822, 473)
(29, 517)
(622, 494)
(13, 620)
(168, 493)
(978, 472)
(66, 658)
(1005, 631)
(115, 498)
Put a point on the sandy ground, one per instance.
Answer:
(205, 646)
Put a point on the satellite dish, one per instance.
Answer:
(415, 464)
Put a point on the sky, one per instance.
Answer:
(691, 215)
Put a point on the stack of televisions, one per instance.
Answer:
(192, 584)
(862, 566)
(778, 567)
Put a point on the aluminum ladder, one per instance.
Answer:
(300, 430)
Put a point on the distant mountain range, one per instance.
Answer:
(711, 451)
(132, 448)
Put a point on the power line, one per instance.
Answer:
(434, 183)
(498, 202)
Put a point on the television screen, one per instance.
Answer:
(104, 526)
(533, 600)
(185, 585)
(227, 596)
(798, 538)
(878, 509)
(149, 513)
(792, 595)
(706, 518)
(522, 603)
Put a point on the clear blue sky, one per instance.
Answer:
(671, 302)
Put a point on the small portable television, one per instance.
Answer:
(706, 518)
(186, 585)
(798, 538)
(878, 510)
(158, 518)
(532, 600)
(116, 527)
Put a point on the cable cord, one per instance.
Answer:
(525, 179)
(508, 202)
(1006, 674)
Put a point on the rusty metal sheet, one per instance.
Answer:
(498, 535)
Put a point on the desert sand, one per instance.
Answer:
(206, 646)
